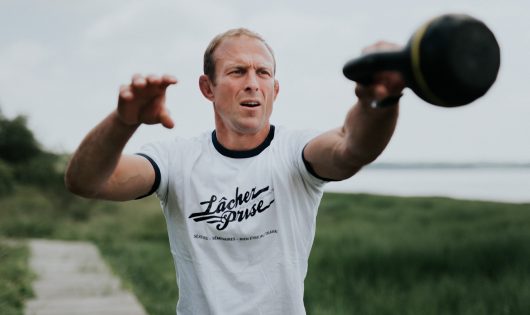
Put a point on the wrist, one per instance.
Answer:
(120, 122)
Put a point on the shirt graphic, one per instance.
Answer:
(222, 211)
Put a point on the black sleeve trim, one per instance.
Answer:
(312, 171)
(156, 184)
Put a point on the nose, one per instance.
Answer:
(251, 84)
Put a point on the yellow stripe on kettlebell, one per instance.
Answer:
(416, 66)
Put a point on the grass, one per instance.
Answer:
(372, 254)
(388, 255)
(131, 236)
(15, 277)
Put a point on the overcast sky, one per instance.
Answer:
(62, 62)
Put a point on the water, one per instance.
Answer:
(491, 184)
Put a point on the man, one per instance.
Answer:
(240, 202)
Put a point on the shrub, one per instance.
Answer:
(17, 143)
(6, 179)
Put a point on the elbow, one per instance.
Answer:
(76, 186)
(350, 163)
(362, 161)
(357, 159)
(72, 185)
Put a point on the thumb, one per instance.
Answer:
(165, 119)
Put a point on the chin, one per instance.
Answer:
(251, 127)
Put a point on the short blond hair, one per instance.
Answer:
(209, 60)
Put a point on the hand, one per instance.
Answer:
(386, 84)
(143, 101)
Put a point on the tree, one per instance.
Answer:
(17, 143)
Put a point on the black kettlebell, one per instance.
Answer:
(450, 61)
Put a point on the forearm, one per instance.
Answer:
(96, 158)
(340, 153)
(367, 132)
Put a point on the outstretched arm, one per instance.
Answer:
(340, 153)
(98, 169)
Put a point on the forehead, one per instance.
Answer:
(243, 50)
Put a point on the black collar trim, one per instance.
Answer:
(246, 153)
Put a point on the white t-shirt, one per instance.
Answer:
(240, 224)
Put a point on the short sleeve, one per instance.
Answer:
(158, 154)
(295, 143)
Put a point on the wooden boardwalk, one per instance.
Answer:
(72, 279)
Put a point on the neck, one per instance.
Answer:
(241, 141)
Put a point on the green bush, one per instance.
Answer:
(23, 162)
(39, 171)
(6, 179)
(17, 143)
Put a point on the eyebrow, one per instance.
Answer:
(246, 66)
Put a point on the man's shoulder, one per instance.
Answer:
(178, 144)
(283, 133)
(184, 140)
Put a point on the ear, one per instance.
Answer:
(276, 88)
(206, 87)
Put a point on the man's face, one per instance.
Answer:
(245, 87)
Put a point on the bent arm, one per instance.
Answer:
(340, 153)
(98, 169)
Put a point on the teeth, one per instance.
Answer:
(250, 103)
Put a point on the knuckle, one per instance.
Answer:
(151, 78)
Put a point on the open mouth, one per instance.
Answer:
(250, 103)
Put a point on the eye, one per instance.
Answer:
(237, 71)
(265, 72)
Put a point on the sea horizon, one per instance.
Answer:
(486, 181)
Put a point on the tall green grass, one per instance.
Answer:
(15, 277)
(388, 255)
(372, 254)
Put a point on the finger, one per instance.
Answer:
(380, 46)
(393, 77)
(160, 83)
(397, 83)
(138, 81)
(165, 119)
(125, 93)
(153, 80)
(156, 85)
(364, 91)
(380, 92)
(393, 81)
(169, 79)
